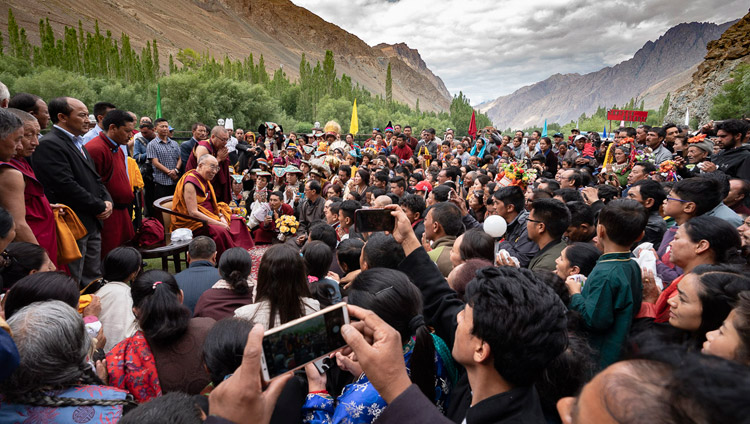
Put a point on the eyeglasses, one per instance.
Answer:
(535, 220)
(678, 200)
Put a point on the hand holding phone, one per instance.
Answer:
(291, 346)
(373, 220)
(241, 396)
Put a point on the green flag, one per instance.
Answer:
(158, 102)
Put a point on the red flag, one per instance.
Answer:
(473, 126)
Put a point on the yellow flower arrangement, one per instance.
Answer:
(287, 225)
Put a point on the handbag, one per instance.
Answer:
(69, 230)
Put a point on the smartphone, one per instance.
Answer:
(293, 345)
(373, 220)
(270, 213)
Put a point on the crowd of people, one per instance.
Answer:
(526, 279)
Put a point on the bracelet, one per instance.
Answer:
(319, 392)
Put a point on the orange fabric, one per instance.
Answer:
(69, 229)
(179, 205)
(662, 307)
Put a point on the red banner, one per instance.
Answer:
(627, 115)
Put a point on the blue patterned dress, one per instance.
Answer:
(14, 413)
(360, 403)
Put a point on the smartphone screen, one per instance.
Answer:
(296, 343)
(373, 220)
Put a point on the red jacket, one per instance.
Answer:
(265, 233)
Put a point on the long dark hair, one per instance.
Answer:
(477, 244)
(24, 258)
(234, 267)
(224, 346)
(720, 286)
(282, 282)
(318, 257)
(391, 295)
(722, 237)
(161, 315)
(41, 287)
(582, 255)
(121, 263)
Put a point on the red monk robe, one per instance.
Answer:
(207, 205)
(222, 182)
(110, 164)
(39, 215)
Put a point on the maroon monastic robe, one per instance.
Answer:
(222, 181)
(110, 164)
(39, 215)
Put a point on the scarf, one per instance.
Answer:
(131, 366)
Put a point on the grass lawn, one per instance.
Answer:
(156, 264)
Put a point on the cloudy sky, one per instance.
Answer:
(489, 48)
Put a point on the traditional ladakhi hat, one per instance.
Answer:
(291, 169)
(389, 127)
(702, 143)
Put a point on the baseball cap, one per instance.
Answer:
(423, 186)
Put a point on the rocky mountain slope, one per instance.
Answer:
(656, 69)
(722, 57)
(412, 58)
(277, 29)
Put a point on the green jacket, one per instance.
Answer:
(441, 254)
(610, 298)
(545, 258)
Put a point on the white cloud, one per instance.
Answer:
(488, 48)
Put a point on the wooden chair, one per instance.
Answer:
(163, 212)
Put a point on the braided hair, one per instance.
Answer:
(53, 345)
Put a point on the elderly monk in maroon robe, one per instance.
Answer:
(194, 196)
(215, 146)
(110, 164)
(22, 194)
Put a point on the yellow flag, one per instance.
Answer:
(354, 127)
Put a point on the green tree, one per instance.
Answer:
(329, 73)
(189, 58)
(734, 98)
(155, 59)
(388, 84)
(13, 35)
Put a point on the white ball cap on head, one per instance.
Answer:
(495, 226)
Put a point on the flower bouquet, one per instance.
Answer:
(513, 174)
(668, 170)
(287, 226)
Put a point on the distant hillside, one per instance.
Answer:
(656, 69)
(722, 57)
(277, 29)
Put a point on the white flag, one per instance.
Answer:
(687, 116)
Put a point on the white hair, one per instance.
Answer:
(4, 95)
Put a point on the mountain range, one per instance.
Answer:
(723, 56)
(656, 69)
(277, 29)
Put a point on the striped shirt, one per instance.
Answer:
(168, 153)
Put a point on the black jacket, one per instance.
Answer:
(734, 162)
(441, 306)
(69, 178)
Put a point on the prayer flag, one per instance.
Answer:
(158, 102)
(473, 125)
(354, 126)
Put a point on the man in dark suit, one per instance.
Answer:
(65, 168)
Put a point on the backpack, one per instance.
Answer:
(150, 234)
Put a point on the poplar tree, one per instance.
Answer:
(388, 85)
